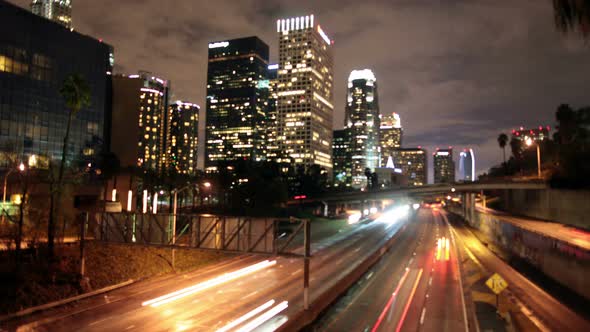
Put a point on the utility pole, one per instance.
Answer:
(306, 244)
(174, 228)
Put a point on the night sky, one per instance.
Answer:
(458, 72)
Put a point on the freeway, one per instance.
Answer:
(414, 287)
(237, 295)
(543, 310)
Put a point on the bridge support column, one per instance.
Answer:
(471, 207)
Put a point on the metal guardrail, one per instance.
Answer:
(237, 234)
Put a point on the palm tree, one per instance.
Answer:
(76, 93)
(502, 141)
(572, 16)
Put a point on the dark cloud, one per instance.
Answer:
(458, 72)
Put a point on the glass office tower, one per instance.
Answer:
(237, 90)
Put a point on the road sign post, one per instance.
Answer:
(497, 284)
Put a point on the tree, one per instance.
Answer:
(572, 16)
(502, 141)
(76, 93)
(368, 174)
(566, 124)
(516, 147)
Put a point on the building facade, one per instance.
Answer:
(271, 119)
(305, 92)
(139, 121)
(467, 165)
(59, 11)
(36, 56)
(182, 137)
(342, 156)
(413, 164)
(363, 121)
(237, 91)
(390, 136)
(444, 166)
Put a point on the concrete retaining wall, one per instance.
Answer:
(571, 207)
(567, 264)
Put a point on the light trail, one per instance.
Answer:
(207, 284)
(407, 307)
(247, 316)
(388, 305)
(264, 317)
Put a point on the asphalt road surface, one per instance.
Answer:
(415, 287)
(237, 294)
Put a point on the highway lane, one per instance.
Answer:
(414, 287)
(213, 307)
(547, 313)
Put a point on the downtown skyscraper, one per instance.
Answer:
(237, 90)
(182, 136)
(305, 92)
(467, 165)
(59, 11)
(140, 106)
(363, 121)
(390, 136)
(444, 166)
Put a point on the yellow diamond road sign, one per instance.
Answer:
(496, 283)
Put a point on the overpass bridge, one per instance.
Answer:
(365, 199)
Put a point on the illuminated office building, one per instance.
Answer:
(305, 92)
(363, 122)
(182, 136)
(140, 104)
(444, 166)
(36, 56)
(467, 165)
(390, 136)
(59, 11)
(237, 101)
(413, 164)
(342, 156)
(271, 144)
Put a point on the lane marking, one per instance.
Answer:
(422, 316)
(407, 307)
(251, 294)
(460, 275)
(393, 296)
(294, 273)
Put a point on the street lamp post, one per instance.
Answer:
(21, 168)
(529, 142)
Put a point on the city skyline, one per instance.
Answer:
(487, 76)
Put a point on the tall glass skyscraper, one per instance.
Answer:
(237, 90)
(363, 121)
(182, 137)
(444, 166)
(467, 165)
(390, 136)
(305, 92)
(36, 55)
(59, 11)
